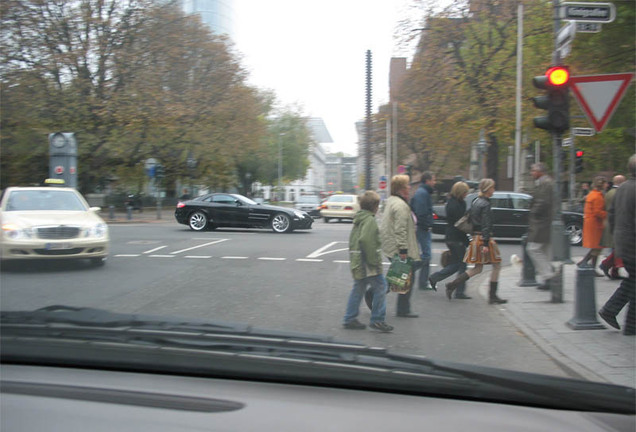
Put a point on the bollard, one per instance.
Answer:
(556, 284)
(129, 210)
(111, 212)
(528, 272)
(585, 301)
(567, 259)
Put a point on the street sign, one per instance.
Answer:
(566, 34)
(599, 95)
(382, 183)
(588, 12)
(579, 131)
(586, 27)
(566, 142)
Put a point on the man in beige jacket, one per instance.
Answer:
(397, 233)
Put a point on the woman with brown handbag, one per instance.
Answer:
(482, 248)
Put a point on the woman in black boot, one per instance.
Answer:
(482, 249)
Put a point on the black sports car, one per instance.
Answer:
(232, 210)
(510, 216)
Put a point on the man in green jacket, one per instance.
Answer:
(366, 266)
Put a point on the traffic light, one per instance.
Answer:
(556, 82)
(578, 161)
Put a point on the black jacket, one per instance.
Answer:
(455, 209)
(481, 217)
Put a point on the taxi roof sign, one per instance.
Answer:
(54, 182)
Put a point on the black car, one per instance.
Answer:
(510, 216)
(232, 210)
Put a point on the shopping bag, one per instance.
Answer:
(464, 224)
(400, 275)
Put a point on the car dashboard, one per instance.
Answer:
(36, 398)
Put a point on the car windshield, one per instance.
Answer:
(40, 200)
(349, 121)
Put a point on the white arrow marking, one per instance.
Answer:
(320, 252)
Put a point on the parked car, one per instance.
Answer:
(339, 207)
(510, 216)
(51, 223)
(216, 210)
(309, 204)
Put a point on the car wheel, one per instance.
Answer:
(198, 221)
(98, 262)
(281, 223)
(574, 231)
(326, 220)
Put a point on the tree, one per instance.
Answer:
(134, 79)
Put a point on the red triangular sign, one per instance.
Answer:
(599, 95)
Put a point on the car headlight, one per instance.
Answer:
(14, 232)
(100, 230)
(299, 214)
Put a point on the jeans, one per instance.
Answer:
(456, 265)
(378, 310)
(425, 240)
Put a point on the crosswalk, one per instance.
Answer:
(330, 252)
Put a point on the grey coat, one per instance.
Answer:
(541, 211)
(622, 218)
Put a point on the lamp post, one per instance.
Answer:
(481, 149)
(280, 163)
(191, 163)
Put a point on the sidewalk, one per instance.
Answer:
(604, 355)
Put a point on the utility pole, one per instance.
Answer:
(367, 132)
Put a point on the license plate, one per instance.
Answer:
(57, 246)
(336, 207)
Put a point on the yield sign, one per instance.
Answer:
(599, 95)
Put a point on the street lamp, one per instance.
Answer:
(191, 163)
(280, 162)
(481, 149)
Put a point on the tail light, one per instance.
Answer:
(348, 208)
(180, 204)
(435, 217)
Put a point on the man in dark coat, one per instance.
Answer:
(540, 220)
(422, 206)
(622, 219)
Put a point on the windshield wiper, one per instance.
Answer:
(249, 352)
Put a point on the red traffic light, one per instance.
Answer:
(579, 153)
(558, 75)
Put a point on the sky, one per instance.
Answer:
(312, 54)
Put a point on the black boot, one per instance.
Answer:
(451, 286)
(492, 298)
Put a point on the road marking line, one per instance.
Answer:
(161, 256)
(155, 249)
(127, 255)
(319, 252)
(198, 256)
(341, 261)
(271, 259)
(235, 257)
(199, 246)
(308, 260)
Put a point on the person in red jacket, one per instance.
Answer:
(594, 215)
